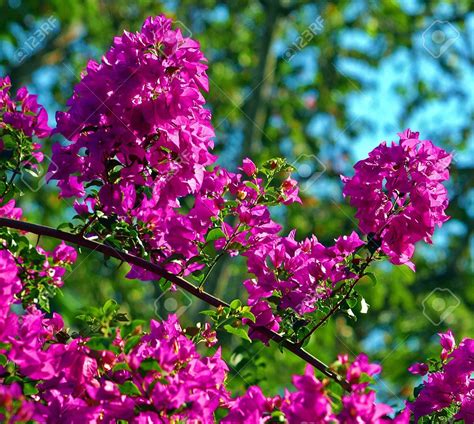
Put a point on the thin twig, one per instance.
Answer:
(336, 307)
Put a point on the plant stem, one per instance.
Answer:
(216, 259)
(209, 270)
(179, 281)
(336, 307)
(333, 310)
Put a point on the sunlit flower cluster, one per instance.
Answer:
(137, 120)
(399, 195)
(451, 382)
(22, 112)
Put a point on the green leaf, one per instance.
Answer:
(209, 313)
(110, 307)
(131, 343)
(278, 417)
(235, 304)
(29, 389)
(299, 324)
(12, 379)
(99, 343)
(323, 309)
(215, 234)
(418, 389)
(252, 185)
(276, 299)
(3, 360)
(121, 366)
(150, 364)
(164, 284)
(32, 172)
(130, 389)
(241, 332)
(8, 142)
(67, 225)
(5, 346)
(121, 317)
(372, 276)
(132, 326)
(249, 315)
(192, 331)
(352, 302)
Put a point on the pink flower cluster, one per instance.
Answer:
(161, 379)
(80, 384)
(311, 401)
(22, 113)
(14, 405)
(451, 384)
(399, 195)
(141, 140)
(182, 236)
(137, 120)
(301, 273)
(21, 119)
(10, 285)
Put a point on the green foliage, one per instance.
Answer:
(39, 284)
(101, 321)
(230, 318)
(272, 105)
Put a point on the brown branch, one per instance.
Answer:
(179, 281)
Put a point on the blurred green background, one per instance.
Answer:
(321, 83)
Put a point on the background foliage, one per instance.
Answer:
(369, 70)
